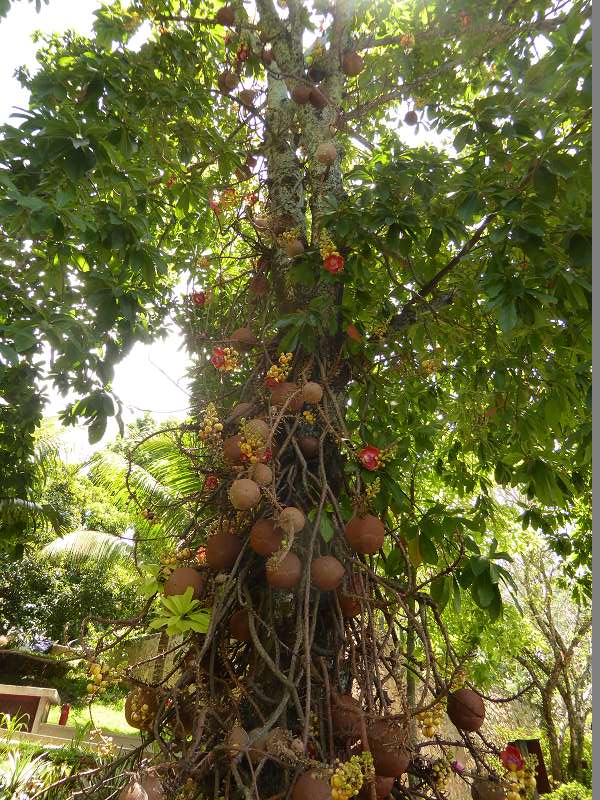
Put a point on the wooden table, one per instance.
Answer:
(31, 702)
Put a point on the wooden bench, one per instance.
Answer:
(31, 703)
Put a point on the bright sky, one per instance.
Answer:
(152, 376)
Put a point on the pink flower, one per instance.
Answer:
(201, 554)
(334, 263)
(369, 457)
(218, 358)
(199, 298)
(511, 758)
(458, 767)
(210, 483)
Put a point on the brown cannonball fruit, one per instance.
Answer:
(387, 739)
(316, 73)
(244, 494)
(349, 606)
(326, 153)
(225, 15)
(181, 579)
(262, 474)
(352, 63)
(301, 94)
(239, 627)
(309, 446)
(486, 789)
(294, 248)
(258, 286)
(243, 339)
(365, 534)
(133, 791)
(242, 410)
(265, 538)
(291, 520)
(247, 97)
(346, 712)
(286, 573)
(312, 785)
(312, 393)
(383, 787)
(411, 118)
(466, 709)
(257, 428)
(317, 99)
(227, 81)
(222, 550)
(231, 450)
(326, 573)
(282, 392)
(267, 56)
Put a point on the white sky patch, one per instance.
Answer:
(151, 377)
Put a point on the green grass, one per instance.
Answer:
(108, 716)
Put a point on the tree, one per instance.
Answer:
(560, 665)
(385, 313)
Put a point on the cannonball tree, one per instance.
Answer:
(382, 214)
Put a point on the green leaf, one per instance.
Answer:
(97, 428)
(326, 528)
(440, 590)
(428, 549)
(546, 184)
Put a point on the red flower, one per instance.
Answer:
(199, 298)
(369, 457)
(201, 554)
(218, 358)
(243, 53)
(267, 455)
(354, 333)
(511, 758)
(334, 263)
(210, 483)
(271, 382)
(214, 204)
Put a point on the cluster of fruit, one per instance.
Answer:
(430, 720)
(225, 359)
(348, 778)
(309, 417)
(212, 426)
(442, 772)
(522, 782)
(101, 677)
(172, 559)
(277, 373)
(106, 744)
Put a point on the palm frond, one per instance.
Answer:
(84, 545)
(15, 508)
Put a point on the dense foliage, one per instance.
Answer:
(407, 324)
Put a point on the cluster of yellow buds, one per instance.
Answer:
(225, 359)
(458, 680)
(309, 417)
(373, 489)
(521, 773)
(442, 772)
(407, 41)
(211, 426)
(430, 720)
(252, 448)
(327, 246)
(172, 559)
(348, 778)
(106, 744)
(101, 677)
(277, 373)
(288, 236)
